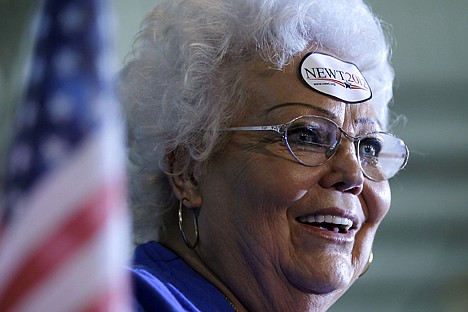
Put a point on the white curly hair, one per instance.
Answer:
(184, 80)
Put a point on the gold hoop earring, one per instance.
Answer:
(181, 226)
(368, 264)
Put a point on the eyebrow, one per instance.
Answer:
(322, 110)
(368, 120)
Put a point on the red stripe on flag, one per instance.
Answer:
(62, 244)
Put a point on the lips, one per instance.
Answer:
(332, 223)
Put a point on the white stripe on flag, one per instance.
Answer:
(56, 198)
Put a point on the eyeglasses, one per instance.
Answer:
(313, 140)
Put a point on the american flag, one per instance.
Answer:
(65, 232)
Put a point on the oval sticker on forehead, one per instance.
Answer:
(327, 74)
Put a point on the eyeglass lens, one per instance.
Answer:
(312, 140)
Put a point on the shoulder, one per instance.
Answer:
(153, 280)
(150, 294)
(164, 282)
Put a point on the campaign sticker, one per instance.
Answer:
(328, 75)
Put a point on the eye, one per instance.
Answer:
(307, 135)
(370, 147)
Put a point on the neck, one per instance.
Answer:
(260, 290)
(243, 288)
(173, 240)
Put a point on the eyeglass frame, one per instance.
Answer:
(281, 129)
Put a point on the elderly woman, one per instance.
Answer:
(259, 151)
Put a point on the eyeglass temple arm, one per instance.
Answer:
(277, 128)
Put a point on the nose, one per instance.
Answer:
(343, 171)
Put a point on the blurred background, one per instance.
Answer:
(421, 251)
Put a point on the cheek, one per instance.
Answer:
(377, 200)
(259, 193)
(267, 172)
(280, 183)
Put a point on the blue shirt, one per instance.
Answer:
(164, 282)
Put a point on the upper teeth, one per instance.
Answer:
(328, 219)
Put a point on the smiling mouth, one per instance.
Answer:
(328, 222)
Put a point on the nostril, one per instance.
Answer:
(351, 186)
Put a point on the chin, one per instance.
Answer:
(328, 284)
(332, 275)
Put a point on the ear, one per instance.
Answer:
(184, 184)
(186, 187)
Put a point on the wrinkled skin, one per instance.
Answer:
(252, 193)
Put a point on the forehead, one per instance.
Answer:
(277, 96)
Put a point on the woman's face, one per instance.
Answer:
(256, 196)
